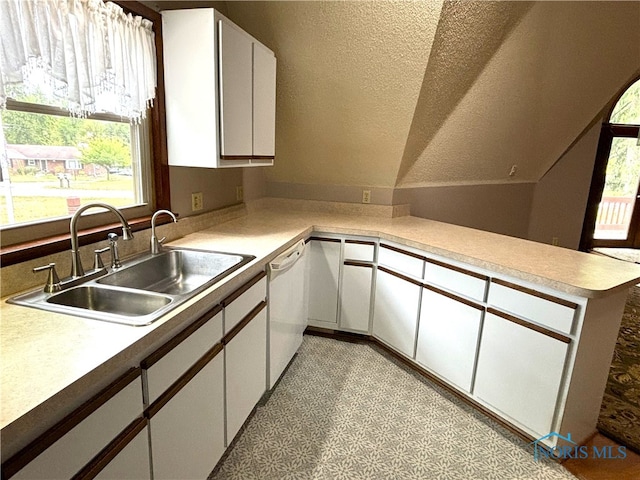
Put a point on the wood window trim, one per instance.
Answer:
(41, 247)
(607, 132)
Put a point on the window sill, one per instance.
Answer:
(22, 252)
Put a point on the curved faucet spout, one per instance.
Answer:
(76, 264)
(156, 244)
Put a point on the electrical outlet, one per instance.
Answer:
(554, 241)
(196, 201)
(239, 193)
(366, 196)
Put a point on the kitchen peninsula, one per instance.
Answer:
(52, 363)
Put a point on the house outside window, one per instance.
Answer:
(86, 152)
(44, 143)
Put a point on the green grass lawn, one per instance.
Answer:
(27, 209)
(30, 208)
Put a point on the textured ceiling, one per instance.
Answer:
(410, 93)
(548, 80)
(468, 35)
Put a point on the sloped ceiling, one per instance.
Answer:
(400, 94)
(548, 80)
(468, 35)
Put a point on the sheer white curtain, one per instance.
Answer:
(83, 55)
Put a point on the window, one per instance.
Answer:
(613, 214)
(101, 157)
(56, 163)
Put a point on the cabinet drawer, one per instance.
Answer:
(169, 362)
(552, 312)
(401, 261)
(359, 250)
(242, 301)
(468, 284)
(65, 448)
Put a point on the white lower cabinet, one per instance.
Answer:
(324, 271)
(246, 369)
(448, 336)
(132, 463)
(355, 296)
(520, 372)
(395, 313)
(187, 433)
(72, 444)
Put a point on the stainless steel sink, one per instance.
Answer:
(109, 300)
(176, 272)
(143, 290)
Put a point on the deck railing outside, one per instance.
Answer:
(614, 216)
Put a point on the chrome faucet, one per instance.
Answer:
(76, 265)
(156, 245)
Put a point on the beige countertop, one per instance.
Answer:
(53, 362)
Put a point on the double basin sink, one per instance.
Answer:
(143, 290)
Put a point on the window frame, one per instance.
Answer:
(96, 227)
(608, 132)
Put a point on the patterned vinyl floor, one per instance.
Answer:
(346, 411)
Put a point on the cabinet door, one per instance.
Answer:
(236, 90)
(187, 433)
(519, 372)
(264, 102)
(324, 271)
(246, 370)
(190, 87)
(448, 337)
(395, 313)
(132, 463)
(355, 296)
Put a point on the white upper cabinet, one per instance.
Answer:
(236, 111)
(264, 103)
(190, 77)
(220, 92)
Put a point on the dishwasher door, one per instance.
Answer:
(287, 308)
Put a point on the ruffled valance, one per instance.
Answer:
(86, 56)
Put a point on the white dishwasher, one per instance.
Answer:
(287, 308)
